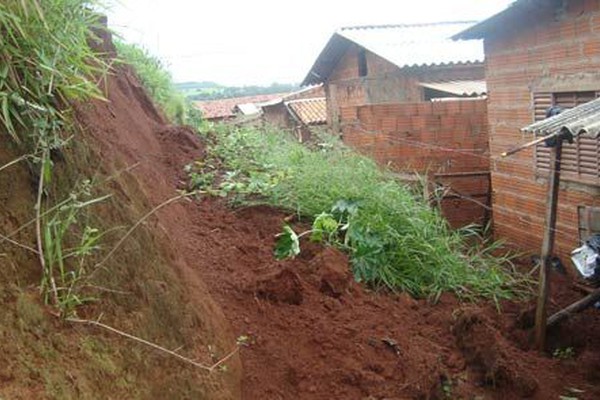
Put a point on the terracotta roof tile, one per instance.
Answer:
(223, 108)
(309, 111)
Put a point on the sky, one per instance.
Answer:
(258, 42)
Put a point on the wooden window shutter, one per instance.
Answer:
(541, 102)
(580, 159)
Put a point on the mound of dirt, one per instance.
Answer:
(489, 355)
(281, 286)
(313, 333)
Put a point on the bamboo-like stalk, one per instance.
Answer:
(208, 368)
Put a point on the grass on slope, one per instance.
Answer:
(395, 239)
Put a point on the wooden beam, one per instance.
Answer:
(462, 174)
(548, 244)
(530, 144)
(576, 307)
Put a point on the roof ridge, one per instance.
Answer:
(406, 25)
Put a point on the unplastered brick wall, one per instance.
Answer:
(559, 51)
(446, 140)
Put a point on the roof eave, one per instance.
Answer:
(495, 23)
(321, 69)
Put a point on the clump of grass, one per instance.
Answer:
(158, 81)
(45, 61)
(395, 238)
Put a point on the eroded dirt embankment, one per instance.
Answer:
(147, 288)
(203, 274)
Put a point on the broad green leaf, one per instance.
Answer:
(324, 224)
(288, 244)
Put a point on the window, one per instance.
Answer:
(362, 63)
(580, 160)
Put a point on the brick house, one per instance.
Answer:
(299, 112)
(541, 53)
(411, 98)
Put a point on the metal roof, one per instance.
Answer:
(415, 45)
(459, 88)
(247, 108)
(521, 13)
(311, 111)
(583, 119)
(310, 91)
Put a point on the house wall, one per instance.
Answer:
(448, 141)
(277, 115)
(385, 82)
(557, 51)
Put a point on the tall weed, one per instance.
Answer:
(395, 239)
(159, 83)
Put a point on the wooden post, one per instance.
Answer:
(548, 244)
(576, 307)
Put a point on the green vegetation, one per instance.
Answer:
(213, 91)
(394, 238)
(46, 63)
(565, 353)
(159, 83)
(51, 238)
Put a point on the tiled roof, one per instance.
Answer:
(583, 119)
(311, 111)
(224, 108)
(415, 45)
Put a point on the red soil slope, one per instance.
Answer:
(312, 333)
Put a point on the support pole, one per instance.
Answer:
(548, 244)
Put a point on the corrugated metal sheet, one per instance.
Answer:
(309, 111)
(415, 45)
(583, 119)
(579, 159)
(459, 88)
(248, 108)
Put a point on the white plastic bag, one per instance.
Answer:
(585, 259)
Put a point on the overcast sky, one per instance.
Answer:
(245, 42)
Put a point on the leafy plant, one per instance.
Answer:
(326, 227)
(288, 244)
(565, 353)
(393, 236)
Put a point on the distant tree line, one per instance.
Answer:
(211, 91)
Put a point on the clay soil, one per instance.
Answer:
(310, 331)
